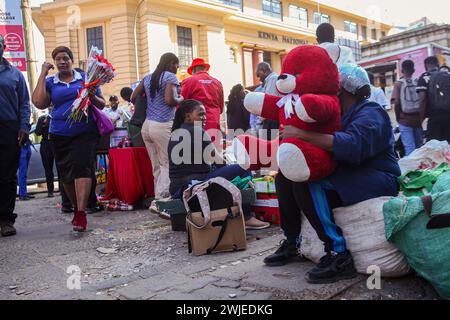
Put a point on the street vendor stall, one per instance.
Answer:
(130, 175)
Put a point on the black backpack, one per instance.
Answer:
(439, 92)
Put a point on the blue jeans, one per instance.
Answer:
(25, 156)
(412, 138)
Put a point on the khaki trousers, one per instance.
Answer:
(156, 137)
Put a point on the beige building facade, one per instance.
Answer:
(231, 35)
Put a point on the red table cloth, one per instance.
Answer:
(130, 175)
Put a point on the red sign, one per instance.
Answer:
(11, 29)
(19, 63)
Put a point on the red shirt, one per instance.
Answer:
(209, 91)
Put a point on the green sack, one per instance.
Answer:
(420, 182)
(426, 250)
(242, 184)
(442, 184)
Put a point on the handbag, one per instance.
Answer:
(215, 220)
(104, 125)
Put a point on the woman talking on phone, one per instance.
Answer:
(74, 143)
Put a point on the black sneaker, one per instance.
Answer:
(286, 253)
(332, 268)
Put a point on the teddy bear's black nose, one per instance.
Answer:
(283, 77)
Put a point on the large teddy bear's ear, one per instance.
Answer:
(254, 102)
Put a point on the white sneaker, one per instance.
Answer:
(153, 207)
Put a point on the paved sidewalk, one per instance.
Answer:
(136, 255)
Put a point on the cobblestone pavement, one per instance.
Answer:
(136, 255)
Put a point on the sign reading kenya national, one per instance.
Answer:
(284, 39)
(11, 27)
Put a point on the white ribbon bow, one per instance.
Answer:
(288, 102)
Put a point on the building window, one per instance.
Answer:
(232, 55)
(233, 3)
(267, 57)
(353, 45)
(364, 32)
(383, 34)
(185, 48)
(299, 14)
(350, 27)
(272, 8)
(94, 38)
(374, 34)
(320, 18)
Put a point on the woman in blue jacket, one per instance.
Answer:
(367, 168)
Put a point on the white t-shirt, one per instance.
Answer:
(379, 97)
(116, 116)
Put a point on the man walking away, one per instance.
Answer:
(14, 129)
(46, 151)
(407, 108)
(341, 55)
(204, 88)
(434, 90)
(269, 79)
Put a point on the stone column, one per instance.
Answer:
(247, 63)
(258, 57)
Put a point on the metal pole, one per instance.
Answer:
(29, 44)
(136, 57)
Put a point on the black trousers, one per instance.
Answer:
(438, 129)
(295, 198)
(9, 164)
(48, 161)
(270, 125)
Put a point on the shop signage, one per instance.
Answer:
(11, 28)
(283, 39)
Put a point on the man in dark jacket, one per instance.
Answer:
(14, 129)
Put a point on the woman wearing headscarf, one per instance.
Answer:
(367, 169)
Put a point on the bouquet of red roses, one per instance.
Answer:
(99, 72)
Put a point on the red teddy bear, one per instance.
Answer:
(310, 82)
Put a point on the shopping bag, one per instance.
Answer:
(104, 125)
(215, 221)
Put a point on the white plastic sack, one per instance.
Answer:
(363, 228)
(433, 153)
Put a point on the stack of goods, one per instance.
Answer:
(116, 205)
(266, 205)
(101, 172)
